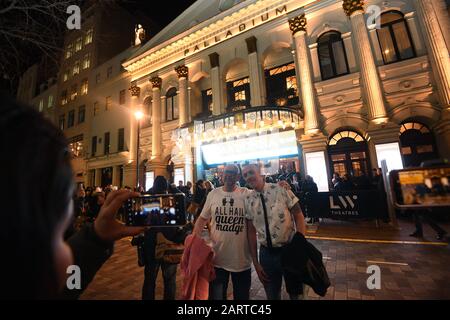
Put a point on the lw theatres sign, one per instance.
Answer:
(236, 29)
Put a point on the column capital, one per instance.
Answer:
(251, 44)
(135, 91)
(182, 71)
(297, 24)
(156, 82)
(214, 59)
(352, 6)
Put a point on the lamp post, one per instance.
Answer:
(138, 115)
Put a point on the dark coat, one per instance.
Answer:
(302, 259)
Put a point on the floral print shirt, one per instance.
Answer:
(278, 203)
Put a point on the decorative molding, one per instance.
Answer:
(251, 44)
(214, 60)
(297, 24)
(135, 91)
(352, 6)
(156, 82)
(182, 71)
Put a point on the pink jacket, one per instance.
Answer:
(197, 267)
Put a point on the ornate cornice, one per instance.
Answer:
(156, 82)
(182, 71)
(352, 6)
(297, 24)
(135, 91)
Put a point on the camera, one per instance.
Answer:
(160, 210)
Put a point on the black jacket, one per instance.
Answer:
(302, 259)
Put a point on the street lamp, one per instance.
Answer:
(138, 115)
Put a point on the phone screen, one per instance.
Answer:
(156, 210)
(423, 187)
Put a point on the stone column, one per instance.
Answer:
(182, 72)
(98, 177)
(216, 84)
(411, 20)
(135, 92)
(315, 61)
(311, 115)
(257, 84)
(347, 38)
(156, 117)
(370, 79)
(437, 48)
(116, 176)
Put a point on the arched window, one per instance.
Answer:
(332, 58)
(394, 38)
(171, 104)
(417, 144)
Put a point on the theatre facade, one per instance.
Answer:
(315, 87)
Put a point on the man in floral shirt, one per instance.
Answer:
(273, 217)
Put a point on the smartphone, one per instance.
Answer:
(417, 188)
(160, 210)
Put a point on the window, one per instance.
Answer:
(122, 97)
(281, 84)
(76, 145)
(66, 75)
(79, 44)
(238, 94)
(41, 105)
(84, 87)
(76, 68)
(394, 38)
(108, 103)
(87, 61)
(106, 143)
(171, 104)
(207, 101)
(121, 140)
(69, 51)
(97, 78)
(332, 58)
(81, 114)
(88, 36)
(73, 92)
(64, 97)
(50, 101)
(62, 120)
(94, 145)
(70, 118)
(96, 108)
(109, 72)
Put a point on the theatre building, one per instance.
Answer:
(315, 87)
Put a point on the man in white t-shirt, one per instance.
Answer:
(224, 206)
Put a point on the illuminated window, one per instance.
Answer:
(238, 93)
(76, 68)
(84, 86)
(64, 97)
(332, 58)
(62, 120)
(207, 101)
(108, 103)
(79, 44)
(69, 51)
(394, 38)
(88, 36)
(281, 84)
(73, 92)
(345, 134)
(50, 101)
(41, 105)
(424, 148)
(66, 75)
(413, 126)
(87, 61)
(76, 146)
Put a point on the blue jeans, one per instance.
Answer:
(169, 271)
(270, 260)
(241, 284)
